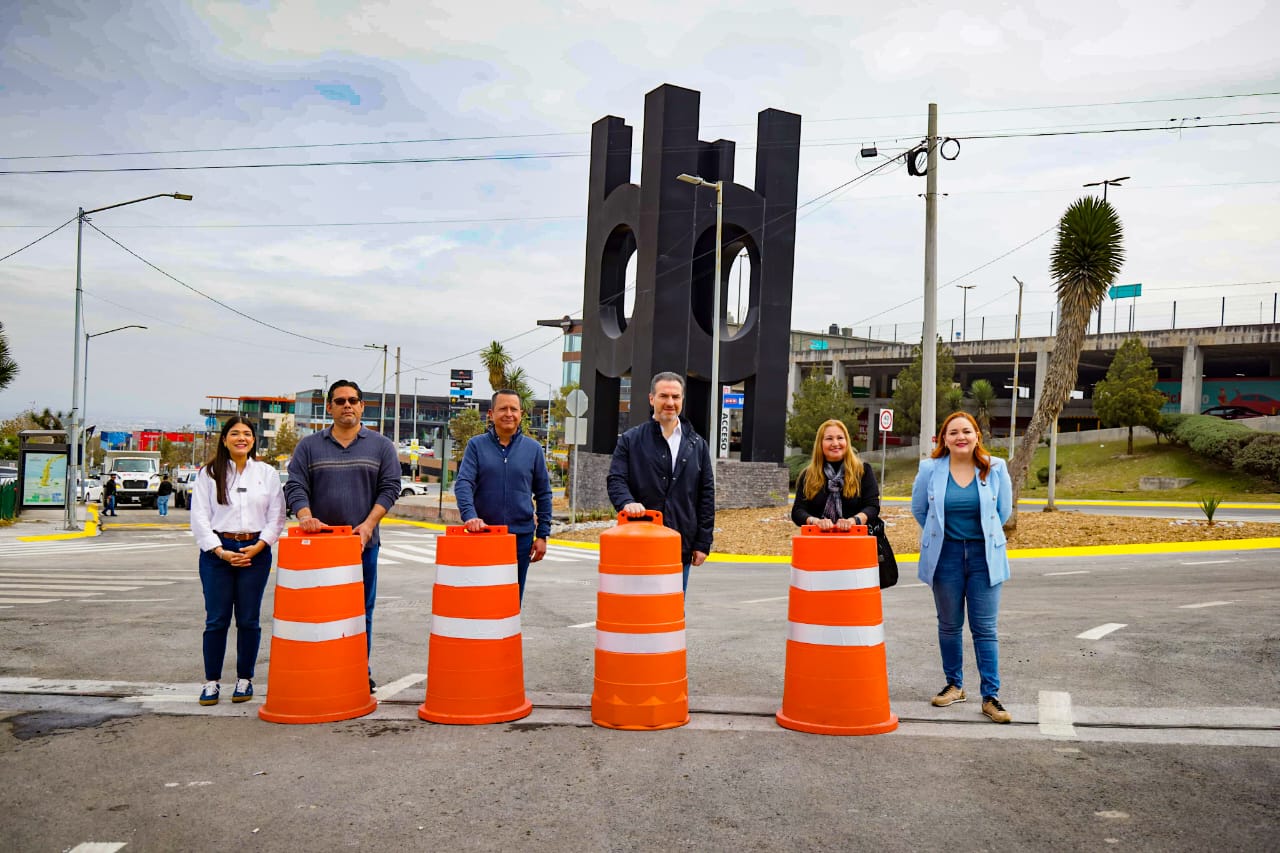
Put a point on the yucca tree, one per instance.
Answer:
(1085, 262)
(983, 395)
(496, 361)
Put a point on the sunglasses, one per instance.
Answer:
(346, 401)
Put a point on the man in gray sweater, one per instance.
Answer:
(346, 475)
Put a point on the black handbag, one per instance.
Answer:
(888, 562)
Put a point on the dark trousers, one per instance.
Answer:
(232, 590)
(524, 545)
(369, 567)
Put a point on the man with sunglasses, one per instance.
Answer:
(346, 474)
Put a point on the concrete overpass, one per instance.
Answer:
(868, 367)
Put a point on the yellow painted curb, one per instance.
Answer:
(1091, 502)
(90, 529)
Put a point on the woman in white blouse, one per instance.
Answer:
(237, 514)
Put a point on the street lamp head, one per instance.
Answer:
(182, 196)
(690, 179)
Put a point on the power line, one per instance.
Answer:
(216, 301)
(38, 239)
(1113, 130)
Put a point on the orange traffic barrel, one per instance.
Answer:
(475, 659)
(837, 679)
(641, 681)
(319, 661)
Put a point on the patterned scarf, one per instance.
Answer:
(835, 485)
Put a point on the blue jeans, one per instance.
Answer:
(686, 577)
(232, 589)
(162, 504)
(369, 565)
(524, 545)
(109, 505)
(961, 578)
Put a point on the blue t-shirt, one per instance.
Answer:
(963, 511)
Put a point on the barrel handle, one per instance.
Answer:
(652, 515)
(333, 530)
(815, 530)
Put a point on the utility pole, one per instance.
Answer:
(1017, 353)
(396, 437)
(382, 393)
(964, 311)
(929, 341)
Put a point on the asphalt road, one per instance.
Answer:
(1145, 692)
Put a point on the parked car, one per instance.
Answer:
(1231, 413)
(409, 487)
(1260, 403)
(91, 490)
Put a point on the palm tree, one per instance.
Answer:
(1085, 262)
(517, 380)
(983, 395)
(8, 367)
(496, 361)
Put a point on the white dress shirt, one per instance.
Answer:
(673, 441)
(255, 505)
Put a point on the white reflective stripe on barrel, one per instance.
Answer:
(642, 584)
(836, 579)
(318, 632)
(475, 629)
(313, 578)
(642, 644)
(476, 575)
(836, 635)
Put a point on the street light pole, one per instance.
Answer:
(84, 397)
(1109, 182)
(73, 439)
(382, 395)
(722, 448)
(1017, 353)
(964, 311)
(416, 380)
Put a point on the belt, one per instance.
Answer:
(238, 537)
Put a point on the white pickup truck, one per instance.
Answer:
(137, 475)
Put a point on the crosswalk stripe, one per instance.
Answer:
(405, 556)
(27, 600)
(59, 578)
(13, 591)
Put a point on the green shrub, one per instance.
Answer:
(1213, 437)
(1043, 474)
(1000, 452)
(1261, 457)
(796, 464)
(1167, 425)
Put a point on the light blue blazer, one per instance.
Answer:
(995, 496)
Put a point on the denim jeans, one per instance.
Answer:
(961, 578)
(686, 577)
(109, 505)
(232, 589)
(369, 565)
(524, 545)
(162, 504)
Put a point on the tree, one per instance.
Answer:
(286, 437)
(1128, 396)
(907, 393)
(8, 367)
(983, 394)
(559, 411)
(496, 361)
(1085, 262)
(48, 419)
(517, 380)
(465, 426)
(819, 400)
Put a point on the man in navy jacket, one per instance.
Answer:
(502, 473)
(664, 465)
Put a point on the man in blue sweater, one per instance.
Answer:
(346, 474)
(503, 472)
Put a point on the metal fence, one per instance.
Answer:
(8, 499)
(1120, 315)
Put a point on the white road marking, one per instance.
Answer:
(1060, 574)
(1208, 562)
(1203, 604)
(386, 691)
(404, 555)
(1055, 714)
(124, 600)
(1101, 631)
(59, 576)
(11, 601)
(911, 585)
(99, 847)
(38, 590)
(90, 588)
(583, 625)
(763, 600)
(415, 549)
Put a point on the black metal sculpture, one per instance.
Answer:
(670, 226)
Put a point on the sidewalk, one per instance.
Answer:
(41, 524)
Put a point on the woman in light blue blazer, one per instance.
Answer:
(962, 497)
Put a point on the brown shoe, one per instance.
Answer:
(949, 695)
(994, 710)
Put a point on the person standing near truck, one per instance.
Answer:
(109, 496)
(163, 494)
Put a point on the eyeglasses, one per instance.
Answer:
(346, 401)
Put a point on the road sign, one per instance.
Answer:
(459, 392)
(734, 399)
(819, 345)
(1126, 291)
(575, 431)
(460, 374)
(886, 420)
(210, 423)
(576, 403)
(724, 434)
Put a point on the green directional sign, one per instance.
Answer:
(818, 345)
(1126, 291)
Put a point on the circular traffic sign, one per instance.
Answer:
(886, 420)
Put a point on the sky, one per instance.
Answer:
(294, 254)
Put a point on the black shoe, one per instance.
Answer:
(372, 684)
